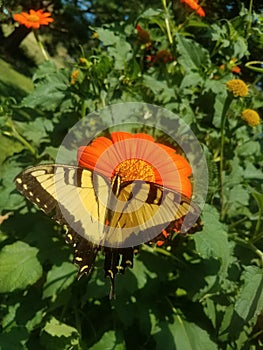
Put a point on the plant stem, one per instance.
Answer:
(20, 138)
(249, 18)
(167, 24)
(83, 108)
(251, 64)
(41, 46)
(222, 145)
(252, 247)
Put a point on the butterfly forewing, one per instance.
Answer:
(67, 192)
(37, 185)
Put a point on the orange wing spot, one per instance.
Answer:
(165, 233)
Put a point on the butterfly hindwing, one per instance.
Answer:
(143, 209)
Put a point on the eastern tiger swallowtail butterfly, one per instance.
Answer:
(54, 189)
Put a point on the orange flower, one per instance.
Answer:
(236, 70)
(33, 19)
(195, 6)
(137, 157)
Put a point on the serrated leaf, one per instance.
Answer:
(251, 172)
(58, 279)
(191, 80)
(48, 93)
(9, 199)
(250, 301)
(182, 334)
(9, 146)
(212, 241)
(19, 267)
(37, 130)
(239, 195)
(107, 36)
(248, 148)
(121, 52)
(153, 84)
(193, 57)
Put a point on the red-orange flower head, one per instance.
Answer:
(195, 6)
(33, 19)
(137, 157)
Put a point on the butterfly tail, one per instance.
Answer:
(116, 260)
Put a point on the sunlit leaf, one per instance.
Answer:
(19, 267)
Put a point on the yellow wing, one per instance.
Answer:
(142, 210)
(78, 197)
(70, 194)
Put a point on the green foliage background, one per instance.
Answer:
(202, 291)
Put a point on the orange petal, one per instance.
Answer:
(117, 136)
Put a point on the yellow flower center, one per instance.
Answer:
(135, 169)
(33, 18)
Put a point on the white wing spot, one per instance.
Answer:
(78, 258)
(31, 193)
(25, 187)
(18, 180)
(37, 200)
(84, 268)
(45, 206)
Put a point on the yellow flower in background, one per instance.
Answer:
(251, 117)
(238, 87)
(95, 35)
(74, 77)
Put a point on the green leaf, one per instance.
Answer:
(193, 57)
(250, 301)
(181, 334)
(107, 36)
(9, 146)
(59, 329)
(212, 241)
(19, 267)
(37, 130)
(121, 52)
(49, 93)
(248, 148)
(251, 172)
(259, 198)
(10, 199)
(59, 336)
(191, 80)
(15, 339)
(108, 342)
(239, 195)
(58, 279)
